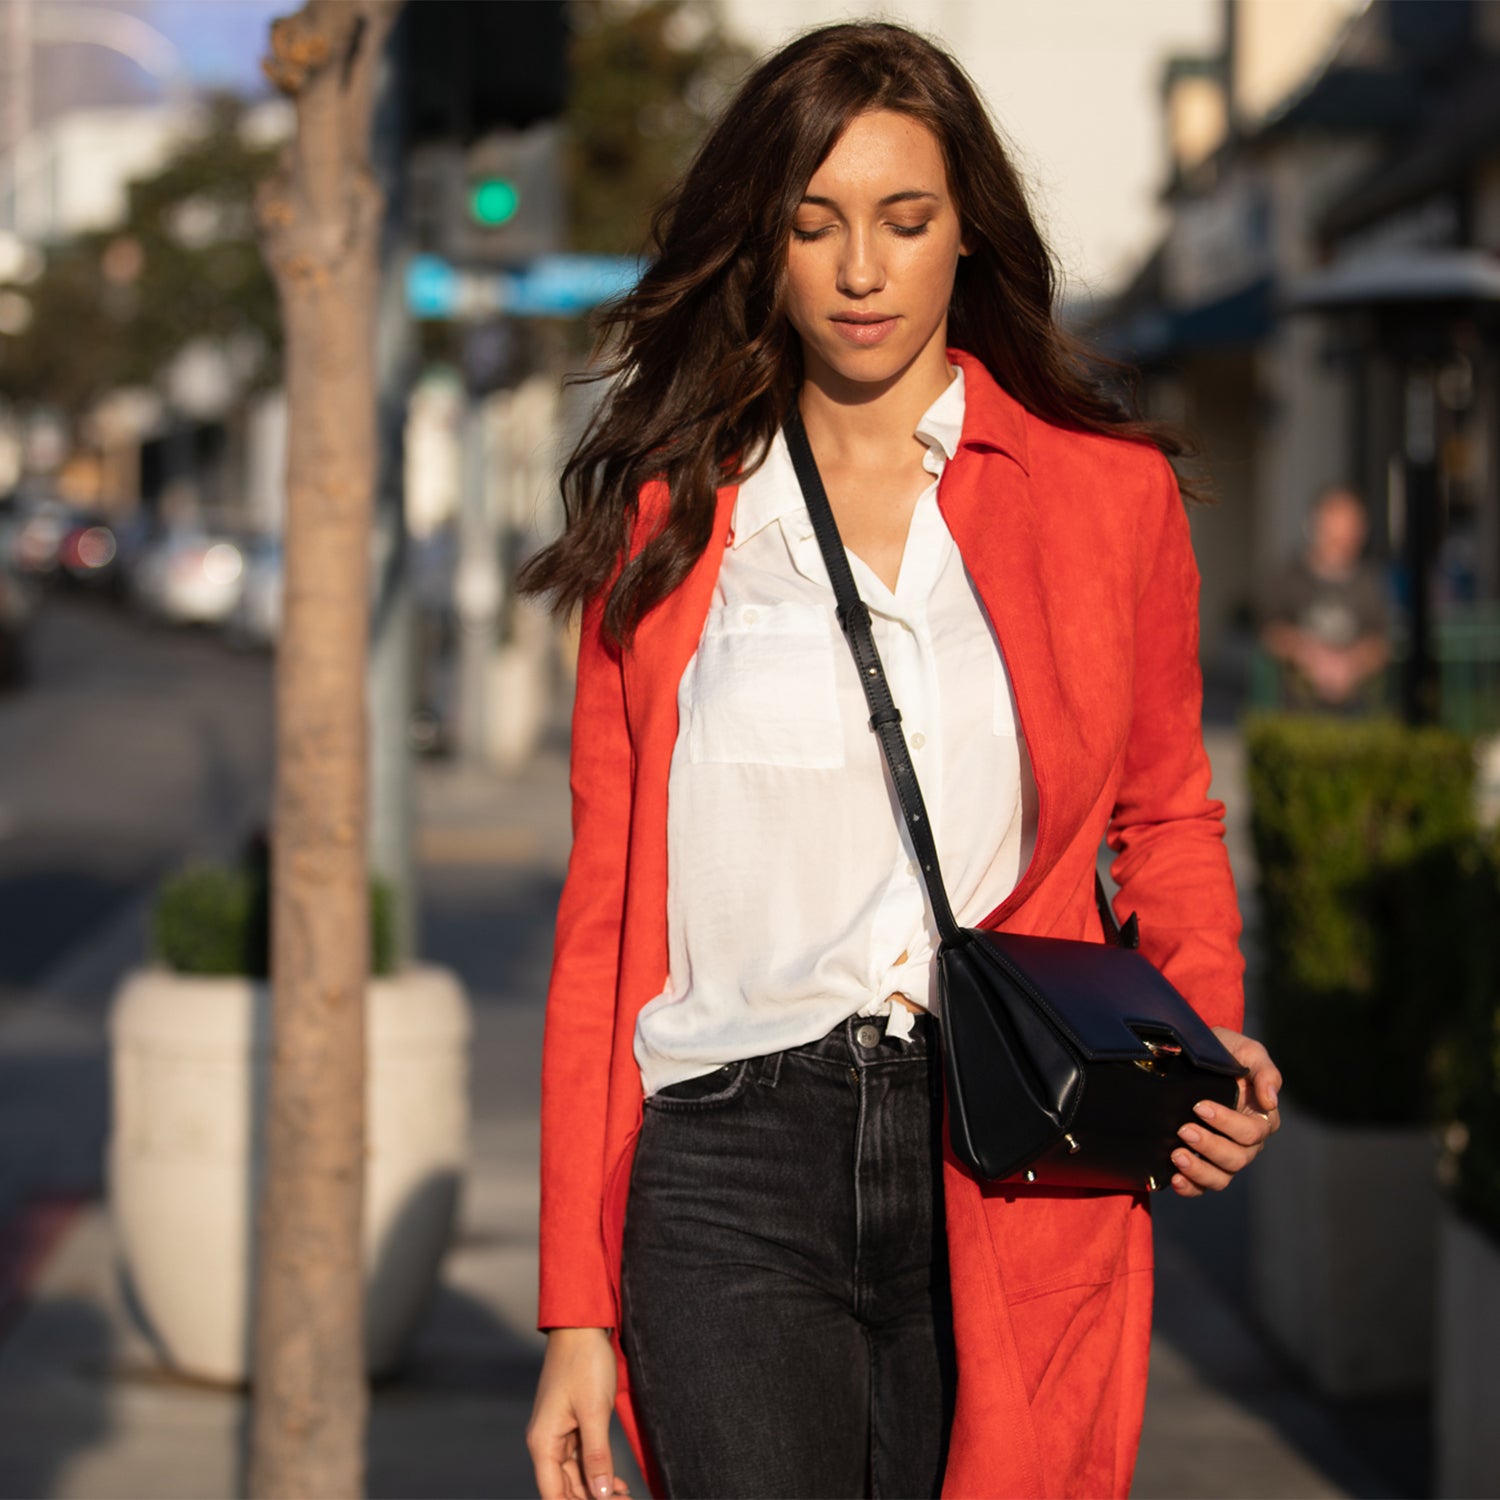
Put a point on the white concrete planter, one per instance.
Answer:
(189, 1059)
(518, 703)
(1344, 1251)
(1468, 1333)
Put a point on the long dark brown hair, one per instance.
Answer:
(705, 364)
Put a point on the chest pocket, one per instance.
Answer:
(763, 690)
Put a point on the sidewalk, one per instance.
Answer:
(85, 1410)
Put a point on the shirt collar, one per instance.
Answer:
(772, 491)
(942, 424)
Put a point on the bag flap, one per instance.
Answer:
(1108, 1001)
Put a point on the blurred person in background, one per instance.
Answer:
(1325, 618)
(754, 1243)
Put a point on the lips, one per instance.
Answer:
(863, 331)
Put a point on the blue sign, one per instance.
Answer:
(563, 284)
(432, 287)
(549, 286)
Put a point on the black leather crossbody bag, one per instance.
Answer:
(1067, 1063)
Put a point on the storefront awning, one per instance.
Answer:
(1408, 277)
(1155, 333)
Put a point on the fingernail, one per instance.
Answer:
(1182, 1158)
(1191, 1134)
(602, 1487)
(1271, 1095)
(1204, 1108)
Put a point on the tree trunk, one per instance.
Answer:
(319, 217)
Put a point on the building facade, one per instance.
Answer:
(1321, 308)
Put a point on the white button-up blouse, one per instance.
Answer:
(793, 901)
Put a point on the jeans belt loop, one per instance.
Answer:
(768, 1070)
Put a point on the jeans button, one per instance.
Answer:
(868, 1036)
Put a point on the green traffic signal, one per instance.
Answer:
(494, 201)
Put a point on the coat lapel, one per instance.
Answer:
(987, 500)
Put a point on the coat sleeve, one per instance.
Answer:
(575, 1286)
(1168, 835)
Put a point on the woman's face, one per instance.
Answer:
(874, 249)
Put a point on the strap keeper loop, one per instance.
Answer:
(855, 614)
(884, 716)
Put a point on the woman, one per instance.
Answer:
(772, 1269)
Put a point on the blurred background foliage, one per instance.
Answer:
(646, 79)
(1371, 882)
(115, 309)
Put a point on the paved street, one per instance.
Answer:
(139, 748)
(130, 750)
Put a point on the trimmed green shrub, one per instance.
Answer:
(1365, 836)
(213, 919)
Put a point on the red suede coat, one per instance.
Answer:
(1080, 551)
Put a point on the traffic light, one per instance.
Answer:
(484, 86)
(493, 201)
(497, 203)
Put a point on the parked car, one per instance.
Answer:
(190, 578)
(256, 618)
(89, 553)
(40, 526)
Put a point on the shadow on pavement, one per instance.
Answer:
(48, 1423)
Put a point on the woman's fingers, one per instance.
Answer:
(1259, 1090)
(1200, 1172)
(594, 1457)
(1225, 1143)
(1245, 1128)
(550, 1459)
(1227, 1155)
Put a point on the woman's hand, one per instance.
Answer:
(568, 1434)
(1234, 1137)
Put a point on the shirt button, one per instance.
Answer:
(868, 1036)
(750, 616)
(911, 868)
(918, 740)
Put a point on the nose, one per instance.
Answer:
(860, 268)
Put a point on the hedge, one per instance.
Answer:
(1365, 836)
(216, 919)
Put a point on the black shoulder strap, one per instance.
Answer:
(885, 717)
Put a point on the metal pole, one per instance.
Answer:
(392, 659)
(476, 588)
(1421, 689)
(18, 106)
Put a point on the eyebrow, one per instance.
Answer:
(906, 195)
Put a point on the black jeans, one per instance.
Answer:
(786, 1317)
